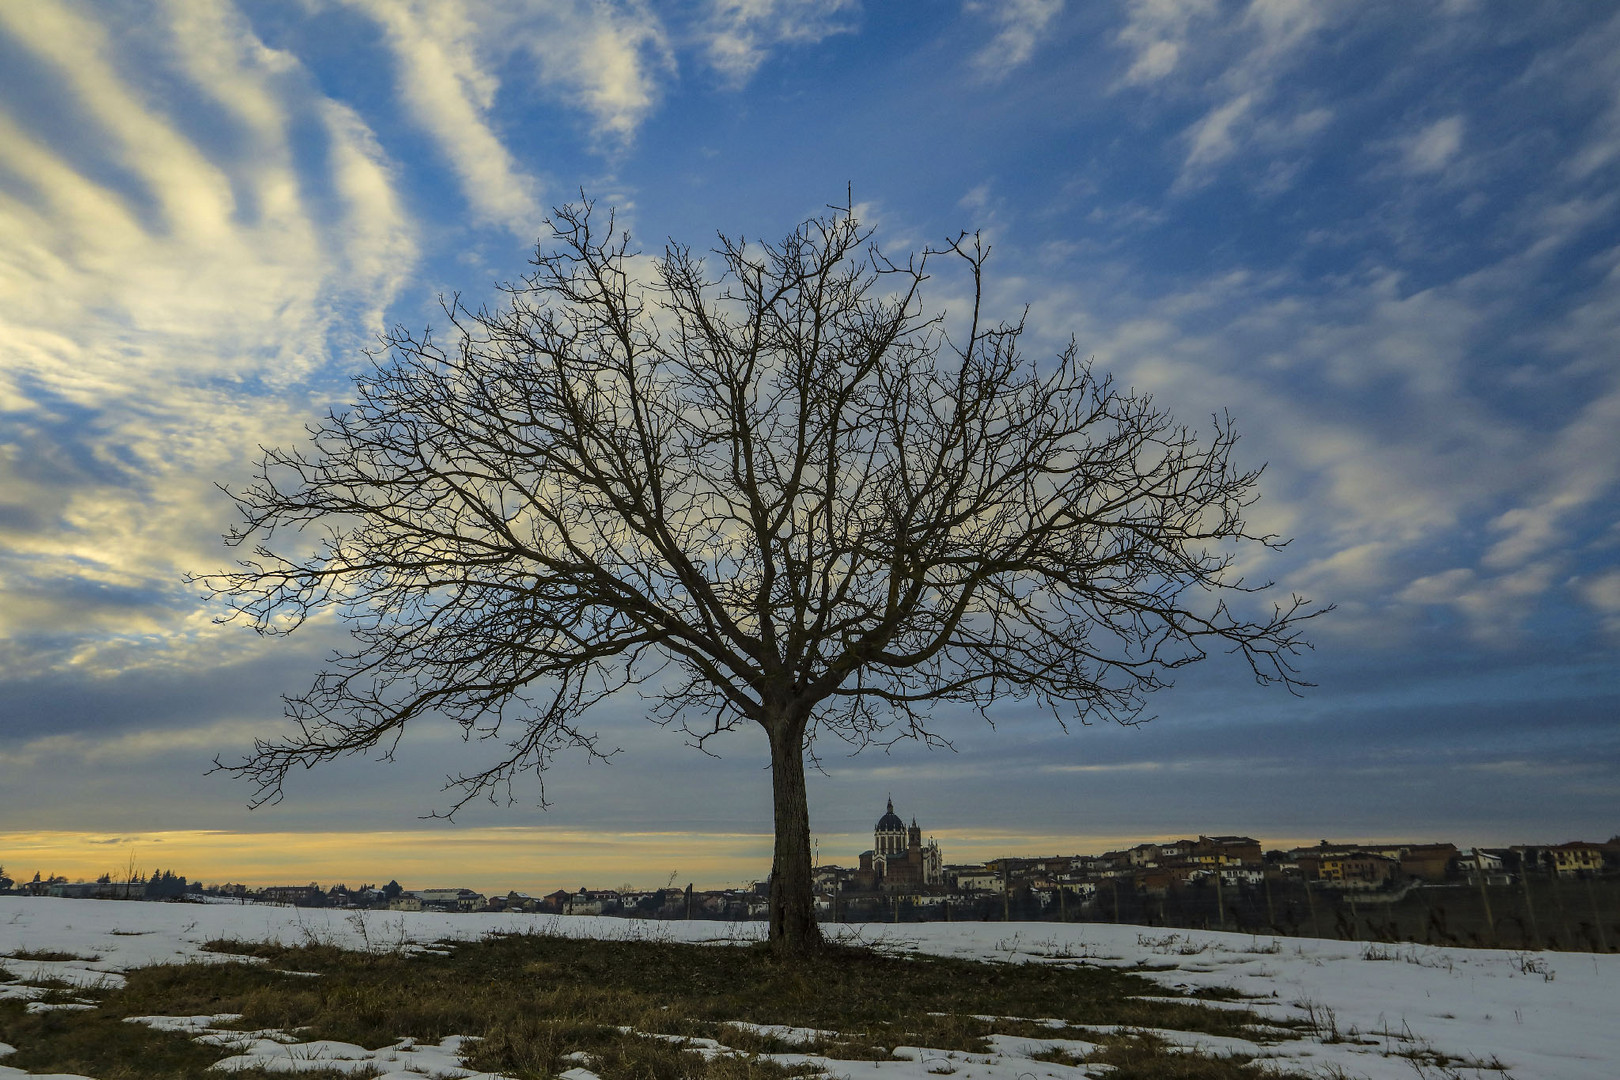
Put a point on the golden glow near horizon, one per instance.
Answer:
(491, 860)
(488, 859)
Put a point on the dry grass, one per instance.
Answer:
(48, 955)
(627, 1010)
(1142, 1055)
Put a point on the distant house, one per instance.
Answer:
(834, 880)
(1158, 881)
(979, 881)
(310, 895)
(1083, 890)
(516, 901)
(39, 887)
(1143, 855)
(1430, 862)
(1576, 858)
(97, 890)
(584, 902)
(1242, 875)
(1478, 863)
(1349, 869)
(72, 890)
(450, 899)
(1227, 851)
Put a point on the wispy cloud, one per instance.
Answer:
(1156, 33)
(1020, 24)
(1216, 137)
(449, 89)
(1432, 148)
(135, 746)
(1602, 592)
(740, 34)
(1590, 68)
(606, 60)
(1411, 481)
(150, 277)
(1231, 64)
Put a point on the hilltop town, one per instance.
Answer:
(1418, 891)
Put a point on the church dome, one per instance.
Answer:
(890, 821)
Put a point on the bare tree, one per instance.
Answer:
(765, 488)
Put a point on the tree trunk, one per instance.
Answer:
(793, 912)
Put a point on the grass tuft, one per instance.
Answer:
(1142, 1055)
(49, 955)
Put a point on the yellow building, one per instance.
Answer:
(1576, 858)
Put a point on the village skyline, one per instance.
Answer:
(409, 860)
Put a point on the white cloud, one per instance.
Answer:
(1215, 138)
(376, 234)
(1021, 22)
(607, 60)
(1187, 48)
(136, 745)
(1433, 148)
(1601, 592)
(1283, 27)
(445, 83)
(1156, 33)
(977, 198)
(1577, 470)
(604, 59)
(1407, 476)
(1590, 67)
(1495, 605)
(145, 281)
(741, 33)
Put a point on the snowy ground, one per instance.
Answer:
(1548, 1016)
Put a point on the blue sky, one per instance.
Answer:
(1383, 235)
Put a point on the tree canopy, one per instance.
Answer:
(765, 486)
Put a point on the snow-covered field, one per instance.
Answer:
(1547, 1016)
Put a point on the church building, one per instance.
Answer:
(898, 858)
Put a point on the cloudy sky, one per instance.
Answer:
(1385, 236)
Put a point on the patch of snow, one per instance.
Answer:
(61, 1006)
(404, 1060)
(1547, 1015)
(1023, 1046)
(923, 1063)
(796, 1035)
(187, 1025)
(86, 973)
